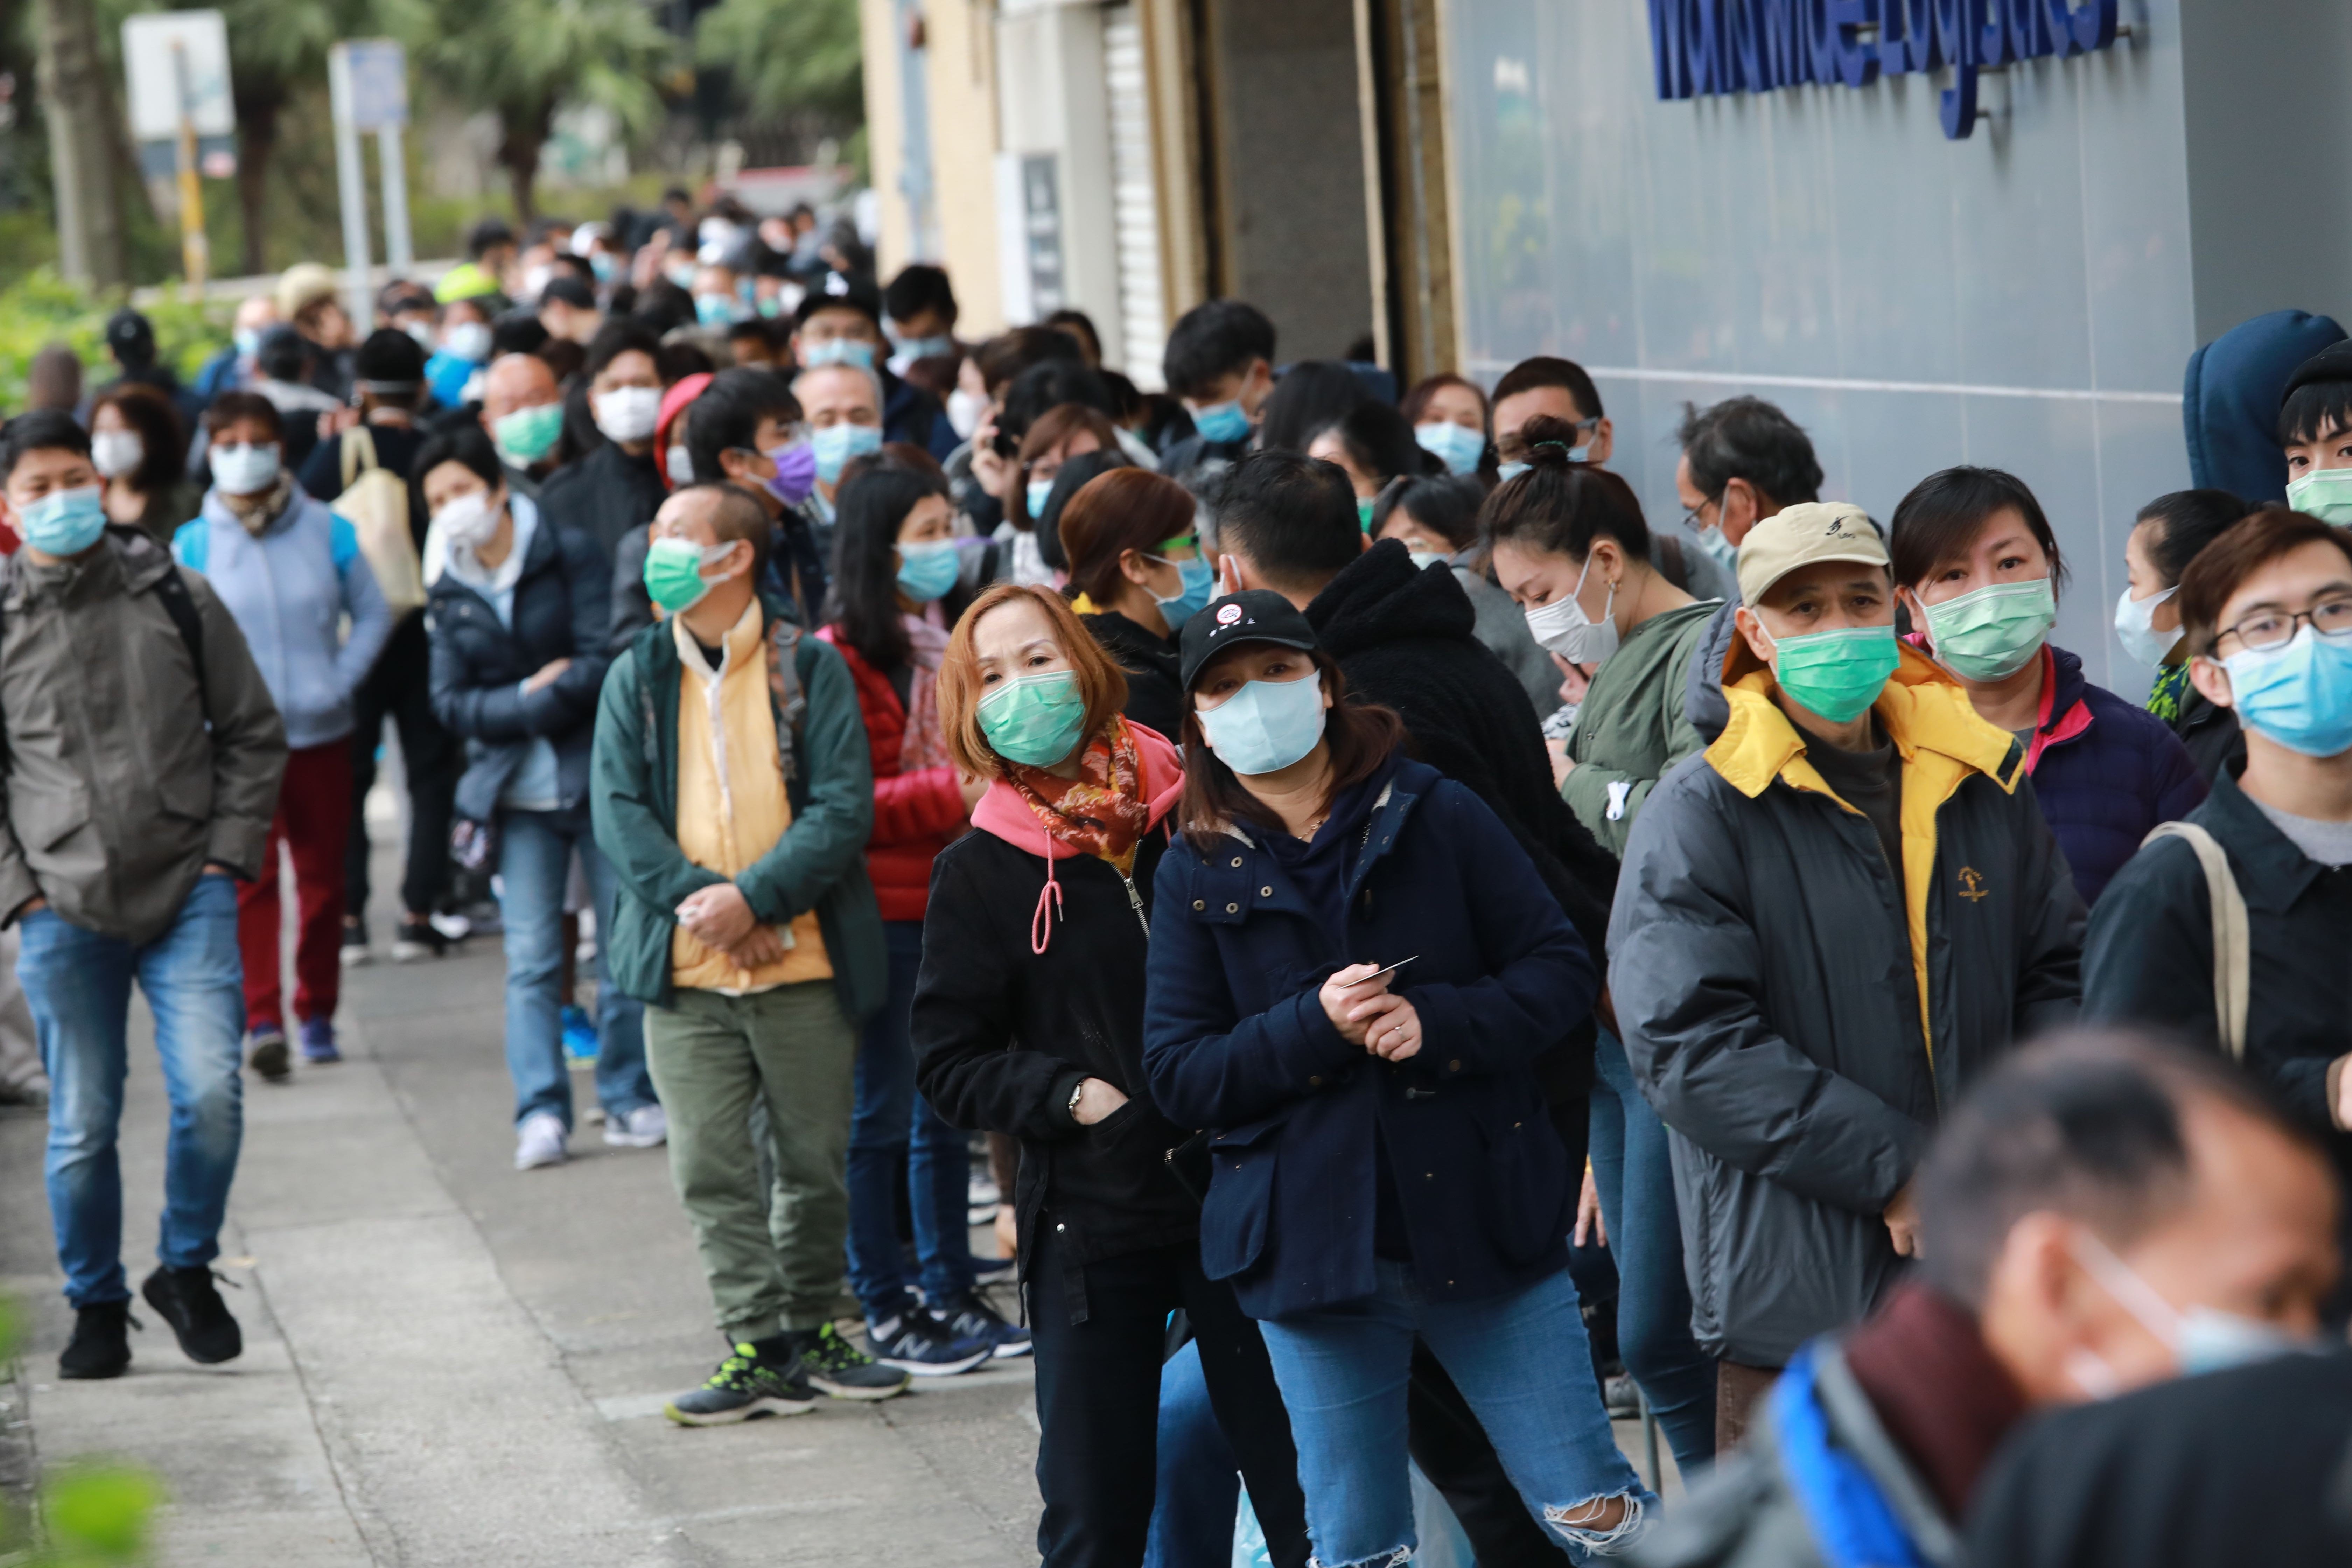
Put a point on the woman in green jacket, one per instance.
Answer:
(1569, 544)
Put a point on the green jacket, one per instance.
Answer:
(1632, 728)
(820, 862)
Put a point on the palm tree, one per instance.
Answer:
(278, 51)
(788, 54)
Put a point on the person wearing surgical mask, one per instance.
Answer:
(617, 487)
(2266, 612)
(137, 444)
(1548, 388)
(1373, 444)
(919, 320)
(1219, 362)
(842, 403)
(1742, 460)
(1436, 519)
(454, 368)
(1979, 570)
(232, 369)
(1449, 417)
(2167, 535)
(291, 574)
(522, 412)
(839, 322)
(1339, 905)
(1830, 922)
(1138, 576)
(1064, 432)
(515, 678)
(2100, 1214)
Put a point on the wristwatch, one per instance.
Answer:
(1076, 1093)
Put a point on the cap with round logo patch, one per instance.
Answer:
(1254, 614)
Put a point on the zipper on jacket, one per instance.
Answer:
(1135, 899)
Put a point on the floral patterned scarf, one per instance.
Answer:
(1103, 811)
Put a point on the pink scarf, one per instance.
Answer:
(925, 744)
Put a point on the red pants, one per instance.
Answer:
(314, 818)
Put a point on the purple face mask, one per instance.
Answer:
(795, 472)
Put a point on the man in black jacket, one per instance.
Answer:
(1405, 639)
(615, 488)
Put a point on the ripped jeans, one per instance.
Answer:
(1522, 1363)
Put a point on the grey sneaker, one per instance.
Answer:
(843, 1370)
(265, 1053)
(538, 1141)
(746, 1387)
(647, 1127)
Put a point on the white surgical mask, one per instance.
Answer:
(679, 463)
(115, 453)
(468, 340)
(629, 413)
(2204, 1339)
(467, 521)
(2136, 627)
(244, 470)
(964, 411)
(1562, 627)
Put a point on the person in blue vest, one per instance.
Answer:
(1353, 971)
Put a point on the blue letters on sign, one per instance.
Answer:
(1705, 48)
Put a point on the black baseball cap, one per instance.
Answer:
(2333, 362)
(1254, 614)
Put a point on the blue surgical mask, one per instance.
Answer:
(1198, 586)
(2203, 1339)
(1267, 725)
(1040, 491)
(602, 264)
(837, 351)
(1222, 421)
(938, 345)
(1457, 445)
(1506, 472)
(836, 445)
(247, 342)
(715, 309)
(64, 522)
(2299, 695)
(1719, 550)
(927, 571)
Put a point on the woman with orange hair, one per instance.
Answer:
(1028, 1020)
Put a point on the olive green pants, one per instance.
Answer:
(775, 1260)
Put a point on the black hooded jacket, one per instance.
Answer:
(1407, 639)
(604, 495)
(1155, 697)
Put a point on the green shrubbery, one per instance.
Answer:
(41, 308)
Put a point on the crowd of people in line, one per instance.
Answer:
(1437, 958)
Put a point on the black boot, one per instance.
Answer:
(100, 1346)
(187, 1301)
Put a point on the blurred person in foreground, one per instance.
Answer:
(2097, 1215)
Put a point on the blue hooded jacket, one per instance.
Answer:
(2229, 401)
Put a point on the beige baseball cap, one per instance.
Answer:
(1803, 535)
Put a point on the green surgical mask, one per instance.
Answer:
(674, 578)
(1838, 674)
(1034, 720)
(1364, 514)
(1990, 633)
(2323, 493)
(526, 435)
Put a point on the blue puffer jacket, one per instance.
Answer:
(2105, 770)
(1236, 1040)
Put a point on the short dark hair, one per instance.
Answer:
(1544, 370)
(231, 407)
(467, 445)
(568, 288)
(2244, 549)
(1361, 737)
(283, 353)
(2186, 522)
(1748, 438)
(728, 414)
(164, 449)
(873, 503)
(664, 306)
(1043, 387)
(1447, 503)
(616, 337)
(920, 287)
(2087, 1125)
(1938, 520)
(1212, 340)
(1003, 359)
(1380, 440)
(487, 236)
(1561, 507)
(1078, 324)
(1312, 396)
(1294, 516)
(518, 332)
(678, 360)
(42, 430)
(2318, 401)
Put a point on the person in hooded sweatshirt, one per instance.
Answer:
(1029, 1019)
(1137, 574)
(1829, 922)
(2230, 395)
(290, 573)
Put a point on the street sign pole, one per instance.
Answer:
(351, 179)
(399, 255)
(195, 250)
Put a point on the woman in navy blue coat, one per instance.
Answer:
(1352, 968)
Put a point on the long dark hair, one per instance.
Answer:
(1363, 736)
(862, 606)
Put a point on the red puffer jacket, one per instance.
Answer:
(913, 813)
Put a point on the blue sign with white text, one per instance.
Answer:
(1707, 47)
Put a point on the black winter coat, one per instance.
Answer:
(1155, 694)
(1002, 1035)
(561, 608)
(604, 495)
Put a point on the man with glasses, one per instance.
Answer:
(1559, 389)
(1742, 461)
(2267, 609)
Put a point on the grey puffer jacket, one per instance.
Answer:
(1798, 1011)
(115, 795)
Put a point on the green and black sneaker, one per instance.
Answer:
(747, 1385)
(843, 1370)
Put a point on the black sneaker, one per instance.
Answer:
(100, 1346)
(843, 1370)
(413, 939)
(186, 1299)
(970, 1317)
(747, 1385)
(915, 1343)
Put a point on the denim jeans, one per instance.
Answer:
(1199, 1482)
(78, 985)
(890, 1114)
(535, 852)
(1520, 1359)
(1632, 1168)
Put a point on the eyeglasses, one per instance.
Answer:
(1693, 521)
(2267, 629)
(1516, 447)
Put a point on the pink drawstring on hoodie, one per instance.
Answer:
(1049, 904)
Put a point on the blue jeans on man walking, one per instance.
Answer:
(894, 1128)
(78, 984)
(534, 864)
